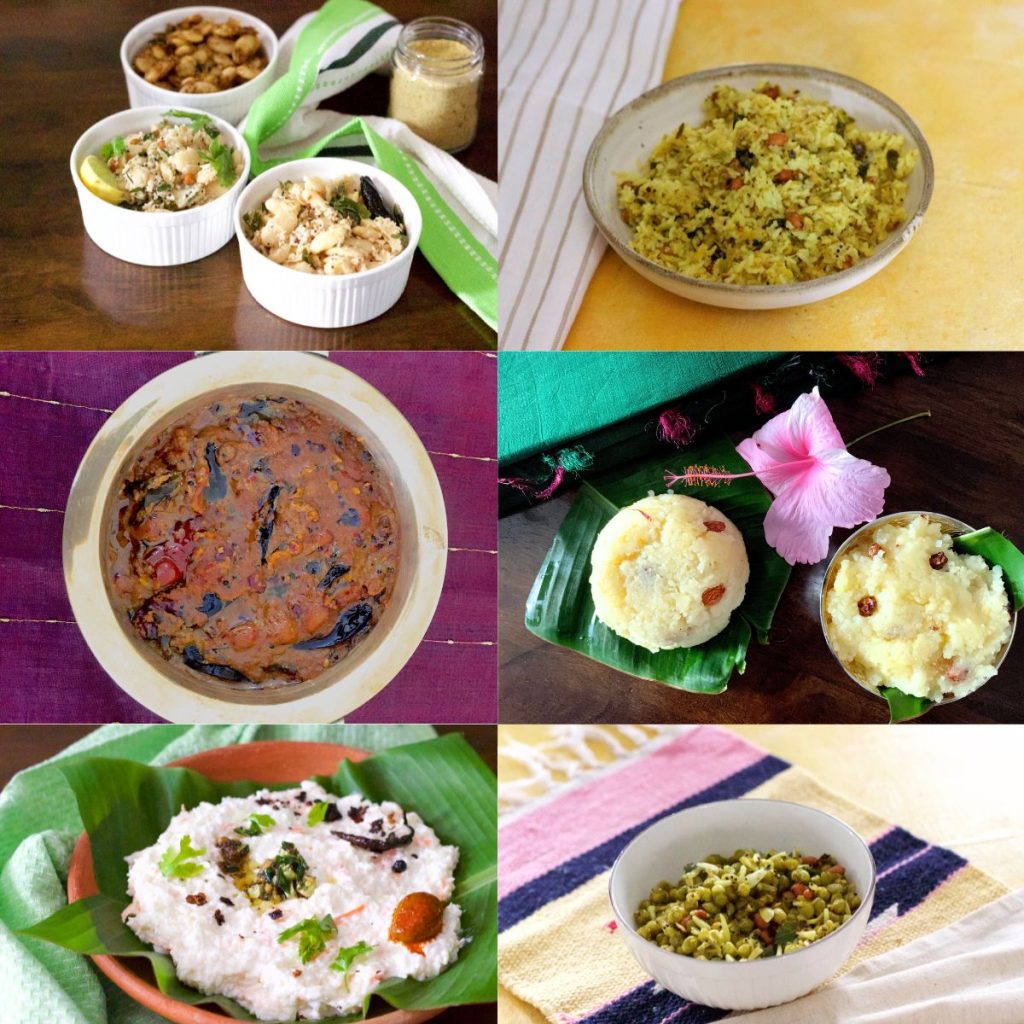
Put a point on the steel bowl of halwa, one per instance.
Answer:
(902, 607)
(255, 537)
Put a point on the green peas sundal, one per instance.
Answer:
(748, 905)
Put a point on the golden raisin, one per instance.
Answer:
(938, 560)
(417, 918)
(867, 606)
(714, 525)
(712, 595)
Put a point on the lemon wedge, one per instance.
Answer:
(99, 180)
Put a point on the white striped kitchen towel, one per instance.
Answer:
(564, 67)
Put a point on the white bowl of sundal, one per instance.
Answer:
(663, 850)
(313, 297)
(162, 237)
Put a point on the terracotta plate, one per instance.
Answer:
(267, 762)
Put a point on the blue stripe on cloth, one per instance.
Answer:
(895, 846)
(650, 1004)
(529, 898)
(912, 883)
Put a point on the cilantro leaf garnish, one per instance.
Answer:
(176, 864)
(115, 147)
(253, 220)
(255, 825)
(346, 955)
(313, 935)
(316, 815)
(200, 122)
(221, 158)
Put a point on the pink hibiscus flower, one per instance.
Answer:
(818, 485)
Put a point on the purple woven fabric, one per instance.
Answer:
(51, 406)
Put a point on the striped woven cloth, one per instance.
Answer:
(556, 854)
(564, 67)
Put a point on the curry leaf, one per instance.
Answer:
(560, 609)
(317, 814)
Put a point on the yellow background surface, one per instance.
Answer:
(958, 69)
(948, 784)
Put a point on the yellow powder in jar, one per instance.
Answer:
(441, 107)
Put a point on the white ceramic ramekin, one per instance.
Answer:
(231, 104)
(663, 850)
(326, 300)
(156, 239)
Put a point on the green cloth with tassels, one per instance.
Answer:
(39, 825)
(547, 400)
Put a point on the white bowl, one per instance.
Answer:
(326, 300)
(231, 104)
(183, 696)
(160, 238)
(663, 850)
(632, 132)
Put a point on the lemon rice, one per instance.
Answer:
(773, 188)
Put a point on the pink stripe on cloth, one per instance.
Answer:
(588, 815)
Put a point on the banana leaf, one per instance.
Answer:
(561, 611)
(125, 806)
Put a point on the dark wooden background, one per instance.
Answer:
(24, 745)
(61, 73)
(967, 460)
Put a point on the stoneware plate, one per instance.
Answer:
(179, 694)
(631, 133)
(268, 762)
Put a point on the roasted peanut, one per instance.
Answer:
(201, 56)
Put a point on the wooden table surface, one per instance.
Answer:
(61, 75)
(24, 745)
(966, 461)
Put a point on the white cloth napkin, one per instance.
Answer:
(564, 67)
(969, 973)
(471, 196)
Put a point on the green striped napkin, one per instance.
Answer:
(328, 51)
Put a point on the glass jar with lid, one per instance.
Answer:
(437, 73)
